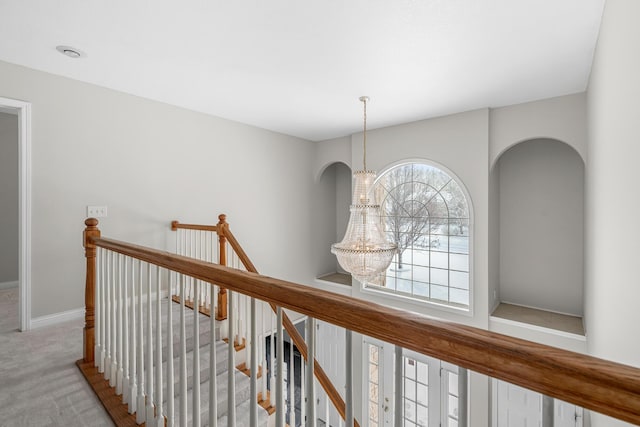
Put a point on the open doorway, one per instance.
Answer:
(9, 220)
(15, 148)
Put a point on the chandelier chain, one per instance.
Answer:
(364, 138)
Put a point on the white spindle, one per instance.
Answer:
(103, 302)
(272, 361)
(183, 356)
(107, 316)
(120, 300)
(133, 383)
(327, 415)
(231, 382)
(158, 397)
(140, 406)
(97, 348)
(303, 393)
(170, 378)
(114, 331)
(292, 384)
(149, 363)
(253, 387)
(398, 395)
(280, 408)
(213, 387)
(263, 347)
(311, 351)
(126, 396)
(349, 378)
(196, 356)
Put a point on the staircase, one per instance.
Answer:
(221, 347)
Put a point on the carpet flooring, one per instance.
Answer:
(40, 385)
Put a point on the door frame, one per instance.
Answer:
(24, 207)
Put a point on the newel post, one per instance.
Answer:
(90, 232)
(221, 227)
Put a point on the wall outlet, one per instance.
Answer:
(96, 211)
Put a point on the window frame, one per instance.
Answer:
(422, 302)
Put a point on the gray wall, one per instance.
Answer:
(150, 163)
(8, 198)
(541, 199)
(613, 199)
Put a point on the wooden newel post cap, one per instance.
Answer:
(222, 218)
(174, 225)
(91, 222)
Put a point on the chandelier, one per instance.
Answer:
(364, 251)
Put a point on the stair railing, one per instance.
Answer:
(607, 387)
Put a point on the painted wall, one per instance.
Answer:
(541, 226)
(8, 199)
(150, 163)
(612, 196)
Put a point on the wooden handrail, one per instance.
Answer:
(175, 225)
(600, 385)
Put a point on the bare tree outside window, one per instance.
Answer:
(425, 212)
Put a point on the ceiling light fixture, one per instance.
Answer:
(71, 52)
(364, 251)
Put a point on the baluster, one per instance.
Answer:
(126, 396)
(196, 356)
(303, 392)
(97, 351)
(292, 384)
(103, 308)
(140, 406)
(213, 387)
(114, 331)
(263, 345)
(311, 351)
(119, 372)
(253, 386)
(231, 382)
(349, 378)
(280, 408)
(149, 364)
(183, 356)
(133, 383)
(170, 378)
(272, 361)
(107, 316)
(159, 416)
(399, 378)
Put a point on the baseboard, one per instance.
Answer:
(9, 285)
(54, 319)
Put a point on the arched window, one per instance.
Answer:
(426, 213)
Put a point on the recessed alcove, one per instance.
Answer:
(537, 235)
(332, 212)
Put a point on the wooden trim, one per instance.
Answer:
(112, 402)
(90, 232)
(596, 384)
(175, 225)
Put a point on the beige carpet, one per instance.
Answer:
(40, 384)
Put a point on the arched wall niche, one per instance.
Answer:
(537, 227)
(333, 183)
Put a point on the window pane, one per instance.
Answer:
(423, 416)
(459, 296)
(410, 368)
(459, 280)
(439, 276)
(421, 289)
(422, 395)
(459, 244)
(440, 293)
(459, 262)
(421, 274)
(453, 383)
(439, 259)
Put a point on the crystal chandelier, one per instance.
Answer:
(364, 251)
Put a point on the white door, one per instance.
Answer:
(517, 406)
(566, 414)
(430, 388)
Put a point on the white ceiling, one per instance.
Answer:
(298, 67)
